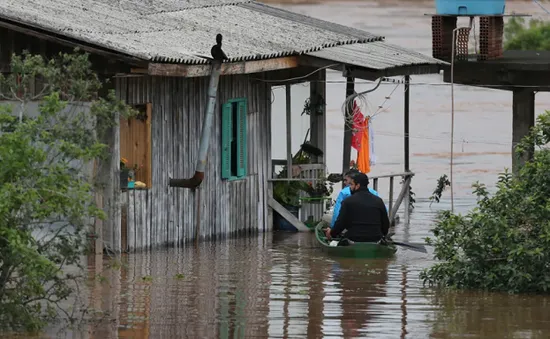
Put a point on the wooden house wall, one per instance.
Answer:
(165, 215)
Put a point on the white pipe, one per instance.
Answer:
(453, 108)
(452, 115)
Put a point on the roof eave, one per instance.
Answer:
(372, 73)
(64, 39)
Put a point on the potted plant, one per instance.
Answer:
(320, 189)
(128, 173)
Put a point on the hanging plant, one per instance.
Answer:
(317, 108)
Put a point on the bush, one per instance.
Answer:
(502, 244)
(521, 36)
(46, 187)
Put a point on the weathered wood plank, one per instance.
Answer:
(131, 222)
(115, 168)
(124, 221)
(287, 215)
(400, 198)
(169, 215)
(148, 162)
(244, 67)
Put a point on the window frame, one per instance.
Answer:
(228, 136)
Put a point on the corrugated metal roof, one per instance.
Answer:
(375, 55)
(178, 31)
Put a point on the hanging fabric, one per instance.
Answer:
(358, 127)
(363, 156)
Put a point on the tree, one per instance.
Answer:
(534, 36)
(502, 244)
(46, 192)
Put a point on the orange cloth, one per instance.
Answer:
(363, 156)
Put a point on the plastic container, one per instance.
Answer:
(281, 224)
(470, 7)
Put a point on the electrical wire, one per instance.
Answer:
(461, 142)
(348, 102)
(338, 82)
(541, 6)
(379, 109)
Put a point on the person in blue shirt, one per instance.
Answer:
(344, 193)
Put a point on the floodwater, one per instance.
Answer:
(280, 285)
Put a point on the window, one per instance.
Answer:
(135, 143)
(234, 162)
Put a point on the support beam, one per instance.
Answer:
(407, 210)
(400, 197)
(523, 119)
(288, 132)
(318, 117)
(287, 215)
(350, 90)
(243, 67)
(406, 121)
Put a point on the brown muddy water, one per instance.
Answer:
(280, 285)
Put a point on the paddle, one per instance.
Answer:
(416, 247)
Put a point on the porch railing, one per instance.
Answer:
(311, 209)
(403, 197)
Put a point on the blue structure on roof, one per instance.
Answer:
(470, 7)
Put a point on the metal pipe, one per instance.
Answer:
(198, 177)
(452, 115)
(453, 109)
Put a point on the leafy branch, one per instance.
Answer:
(442, 183)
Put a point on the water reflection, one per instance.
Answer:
(490, 315)
(283, 286)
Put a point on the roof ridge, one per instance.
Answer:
(232, 3)
(311, 21)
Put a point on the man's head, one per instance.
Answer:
(359, 182)
(347, 176)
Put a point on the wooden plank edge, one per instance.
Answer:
(244, 67)
(300, 226)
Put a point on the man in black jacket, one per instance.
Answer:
(363, 214)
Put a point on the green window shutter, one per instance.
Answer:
(241, 138)
(226, 140)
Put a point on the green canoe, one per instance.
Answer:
(364, 250)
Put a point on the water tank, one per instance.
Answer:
(470, 7)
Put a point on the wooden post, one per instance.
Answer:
(400, 197)
(288, 132)
(406, 124)
(318, 121)
(108, 183)
(406, 201)
(523, 119)
(391, 198)
(348, 116)
(406, 148)
(98, 225)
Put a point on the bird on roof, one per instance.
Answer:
(216, 51)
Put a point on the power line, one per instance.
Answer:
(541, 6)
(457, 142)
(331, 82)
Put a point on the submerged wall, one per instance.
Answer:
(163, 215)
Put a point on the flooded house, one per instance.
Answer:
(157, 55)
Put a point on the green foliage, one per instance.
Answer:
(46, 193)
(442, 183)
(533, 36)
(502, 244)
